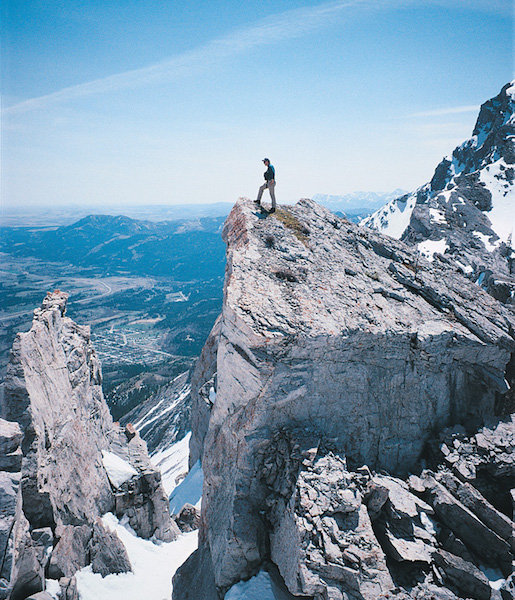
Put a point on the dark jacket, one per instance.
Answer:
(269, 173)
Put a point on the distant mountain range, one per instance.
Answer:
(353, 204)
(357, 204)
(183, 249)
(39, 216)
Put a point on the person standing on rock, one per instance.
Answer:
(269, 184)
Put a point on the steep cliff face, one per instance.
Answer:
(74, 463)
(467, 210)
(333, 341)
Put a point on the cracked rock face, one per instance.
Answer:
(58, 425)
(336, 330)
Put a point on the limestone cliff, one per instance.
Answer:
(337, 347)
(74, 464)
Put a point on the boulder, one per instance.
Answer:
(474, 501)
(188, 518)
(322, 539)
(71, 551)
(494, 550)
(463, 576)
(107, 552)
(69, 589)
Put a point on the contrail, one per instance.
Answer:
(287, 25)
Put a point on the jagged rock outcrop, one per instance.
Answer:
(352, 347)
(63, 440)
(466, 210)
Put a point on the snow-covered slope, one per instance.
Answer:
(467, 210)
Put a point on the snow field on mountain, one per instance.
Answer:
(430, 247)
(145, 420)
(502, 215)
(189, 491)
(173, 463)
(153, 566)
(393, 218)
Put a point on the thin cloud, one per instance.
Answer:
(290, 24)
(447, 111)
(287, 25)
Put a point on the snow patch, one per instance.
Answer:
(429, 248)
(437, 216)
(486, 241)
(260, 587)
(467, 269)
(494, 576)
(428, 523)
(153, 567)
(145, 421)
(118, 470)
(189, 491)
(502, 215)
(53, 588)
(393, 218)
(212, 395)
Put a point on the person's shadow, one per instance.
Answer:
(262, 213)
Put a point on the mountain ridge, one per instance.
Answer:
(466, 211)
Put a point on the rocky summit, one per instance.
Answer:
(466, 211)
(65, 464)
(341, 354)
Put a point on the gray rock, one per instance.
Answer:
(69, 589)
(195, 579)
(71, 551)
(27, 573)
(40, 596)
(463, 576)
(375, 498)
(476, 535)
(108, 554)
(10, 451)
(373, 363)
(428, 591)
(485, 459)
(188, 518)
(474, 501)
(322, 540)
(10, 508)
(53, 390)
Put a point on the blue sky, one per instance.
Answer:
(165, 102)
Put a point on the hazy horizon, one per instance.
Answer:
(132, 104)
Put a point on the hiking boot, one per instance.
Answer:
(258, 202)
(272, 209)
